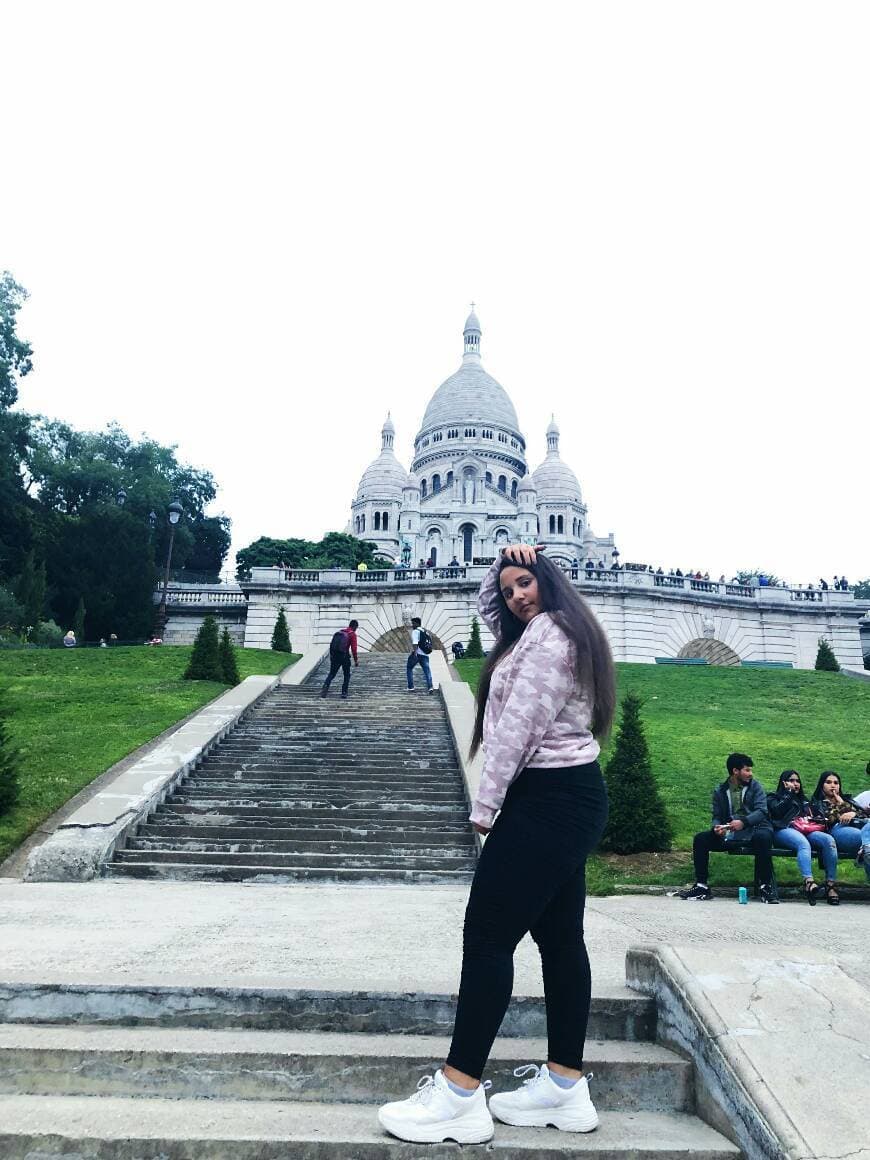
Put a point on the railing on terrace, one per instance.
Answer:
(201, 596)
(623, 578)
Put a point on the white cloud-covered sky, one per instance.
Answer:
(253, 229)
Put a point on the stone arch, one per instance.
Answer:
(713, 651)
(398, 640)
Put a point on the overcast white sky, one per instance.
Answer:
(251, 229)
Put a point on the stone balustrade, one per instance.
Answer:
(201, 596)
(591, 579)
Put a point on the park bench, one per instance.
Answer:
(680, 661)
(766, 665)
(744, 849)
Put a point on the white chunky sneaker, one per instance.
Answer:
(434, 1113)
(540, 1103)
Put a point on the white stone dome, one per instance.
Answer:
(384, 478)
(470, 396)
(554, 480)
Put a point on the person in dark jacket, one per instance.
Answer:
(787, 807)
(847, 822)
(739, 815)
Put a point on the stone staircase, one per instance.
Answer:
(366, 789)
(172, 1073)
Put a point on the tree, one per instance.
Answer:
(10, 780)
(281, 634)
(211, 542)
(205, 660)
(229, 664)
(638, 819)
(78, 624)
(750, 576)
(15, 353)
(11, 613)
(335, 550)
(475, 645)
(861, 590)
(825, 659)
(30, 589)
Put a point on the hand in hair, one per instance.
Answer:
(522, 553)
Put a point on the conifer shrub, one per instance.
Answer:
(281, 634)
(825, 659)
(229, 664)
(475, 646)
(638, 819)
(205, 660)
(79, 620)
(10, 783)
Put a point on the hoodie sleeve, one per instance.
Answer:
(487, 599)
(352, 642)
(539, 692)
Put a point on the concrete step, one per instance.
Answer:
(229, 871)
(160, 1129)
(318, 779)
(343, 788)
(189, 1063)
(307, 814)
(296, 859)
(616, 1013)
(456, 836)
(191, 842)
(322, 800)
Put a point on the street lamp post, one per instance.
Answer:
(174, 514)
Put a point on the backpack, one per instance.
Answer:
(424, 644)
(340, 642)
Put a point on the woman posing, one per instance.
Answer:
(546, 691)
(847, 823)
(796, 827)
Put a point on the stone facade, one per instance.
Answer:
(469, 489)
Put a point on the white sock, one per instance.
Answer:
(703, 885)
(458, 1091)
(561, 1081)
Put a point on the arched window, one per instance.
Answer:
(502, 483)
(362, 523)
(377, 521)
(436, 482)
(552, 525)
(489, 478)
(513, 489)
(449, 482)
(385, 522)
(423, 488)
(561, 525)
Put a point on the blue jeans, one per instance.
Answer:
(804, 844)
(849, 841)
(423, 661)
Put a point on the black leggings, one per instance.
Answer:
(531, 878)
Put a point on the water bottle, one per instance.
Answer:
(742, 896)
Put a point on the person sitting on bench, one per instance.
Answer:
(740, 817)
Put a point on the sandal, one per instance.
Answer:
(831, 896)
(811, 890)
(859, 857)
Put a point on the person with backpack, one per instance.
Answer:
(546, 697)
(341, 646)
(421, 647)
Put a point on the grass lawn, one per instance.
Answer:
(696, 715)
(75, 713)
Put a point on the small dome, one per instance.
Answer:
(389, 426)
(384, 478)
(554, 480)
(553, 429)
(526, 484)
(471, 323)
(412, 481)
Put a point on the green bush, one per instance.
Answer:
(46, 632)
(825, 660)
(205, 660)
(281, 634)
(638, 819)
(475, 646)
(12, 614)
(10, 785)
(229, 664)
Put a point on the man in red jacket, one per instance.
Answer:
(341, 646)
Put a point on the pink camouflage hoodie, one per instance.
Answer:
(535, 715)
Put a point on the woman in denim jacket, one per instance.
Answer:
(848, 824)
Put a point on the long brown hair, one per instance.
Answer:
(594, 663)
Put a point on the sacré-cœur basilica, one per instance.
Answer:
(470, 489)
